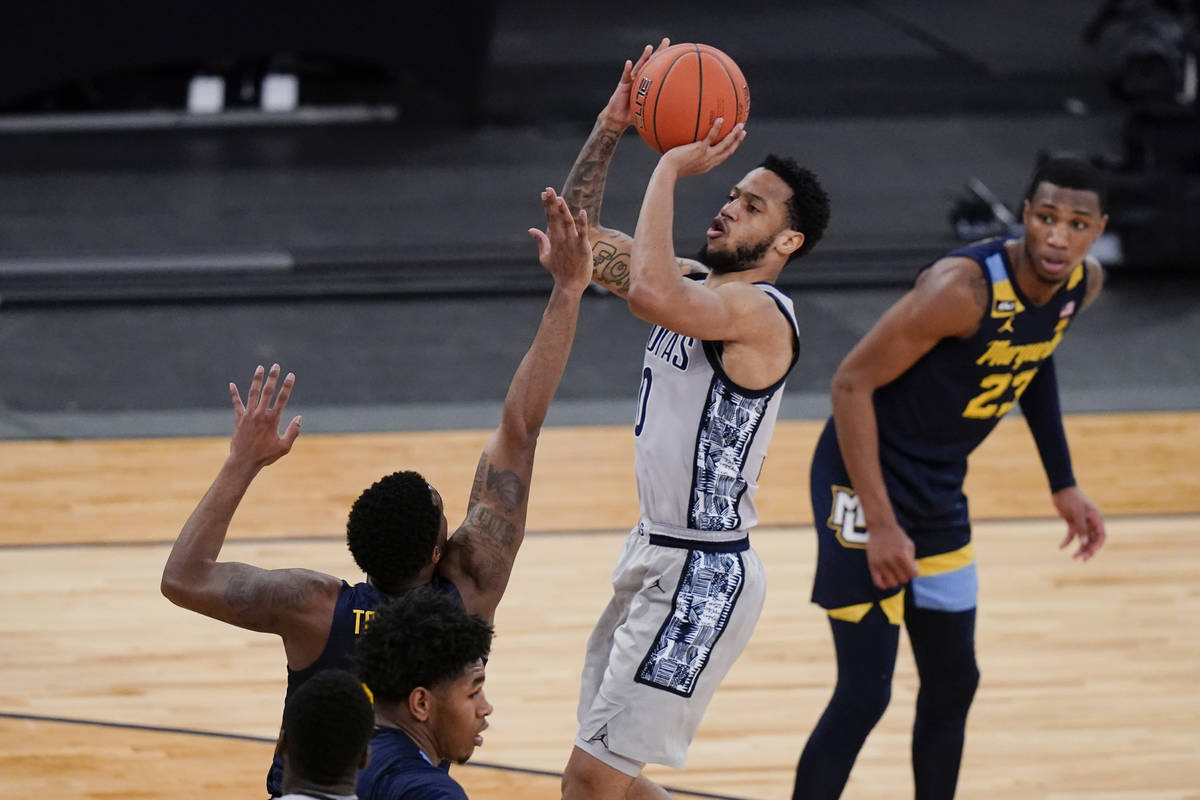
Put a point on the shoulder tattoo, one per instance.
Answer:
(979, 290)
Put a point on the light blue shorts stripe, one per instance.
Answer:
(949, 591)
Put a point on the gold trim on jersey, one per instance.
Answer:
(1076, 276)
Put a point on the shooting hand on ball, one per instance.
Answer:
(701, 156)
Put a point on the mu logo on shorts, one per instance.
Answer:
(846, 517)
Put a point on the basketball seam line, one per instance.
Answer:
(662, 82)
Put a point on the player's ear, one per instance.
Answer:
(789, 241)
(420, 704)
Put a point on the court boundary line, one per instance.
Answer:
(538, 534)
(242, 737)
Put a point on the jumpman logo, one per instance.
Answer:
(601, 736)
(658, 585)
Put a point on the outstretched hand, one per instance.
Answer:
(564, 249)
(618, 113)
(702, 155)
(256, 440)
(1084, 521)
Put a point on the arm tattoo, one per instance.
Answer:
(610, 267)
(979, 291)
(485, 544)
(258, 601)
(486, 525)
(584, 187)
(508, 487)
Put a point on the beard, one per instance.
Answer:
(745, 257)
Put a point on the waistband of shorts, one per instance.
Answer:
(692, 539)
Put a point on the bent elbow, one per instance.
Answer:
(175, 586)
(643, 301)
(848, 388)
(170, 586)
(842, 385)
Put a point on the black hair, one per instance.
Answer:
(1069, 172)
(422, 638)
(327, 723)
(808, 208)
(392, 530)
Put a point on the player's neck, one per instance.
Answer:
(297, 785)
(400, 719)
(758, 274)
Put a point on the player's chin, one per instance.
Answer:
(464, 755)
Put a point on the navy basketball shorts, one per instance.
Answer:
(929, 505)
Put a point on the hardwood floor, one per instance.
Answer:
(1088, 686)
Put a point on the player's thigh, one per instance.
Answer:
(842, 579)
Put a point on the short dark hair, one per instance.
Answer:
(808, 208)
(392, 530)
(327, 724)
(422, 638)
(1069, 172)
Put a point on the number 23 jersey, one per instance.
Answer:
(700, 439)
(945, 404)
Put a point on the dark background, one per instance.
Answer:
(373, 240)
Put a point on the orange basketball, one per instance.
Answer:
(682, 90)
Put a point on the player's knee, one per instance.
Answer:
(574, 783)
(952, 693)
(587, 778)
(862, 702)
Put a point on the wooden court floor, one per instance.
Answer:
(1089, 685)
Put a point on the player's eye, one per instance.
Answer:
(1079, 225)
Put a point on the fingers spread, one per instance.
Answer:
(293, 430)
(269, 387)
(285, 391)
(236, 399)
(254, 393)
(543, 243)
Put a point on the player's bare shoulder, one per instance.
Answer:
(955, 291)
(1095, 280)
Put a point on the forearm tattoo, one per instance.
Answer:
(584, 188)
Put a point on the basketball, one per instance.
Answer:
(680, 92)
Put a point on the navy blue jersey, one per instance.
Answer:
(398, 770)
(351, 614)
(945, 404)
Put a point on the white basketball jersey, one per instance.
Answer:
(700, 439)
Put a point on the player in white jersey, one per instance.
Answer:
(687, 588)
